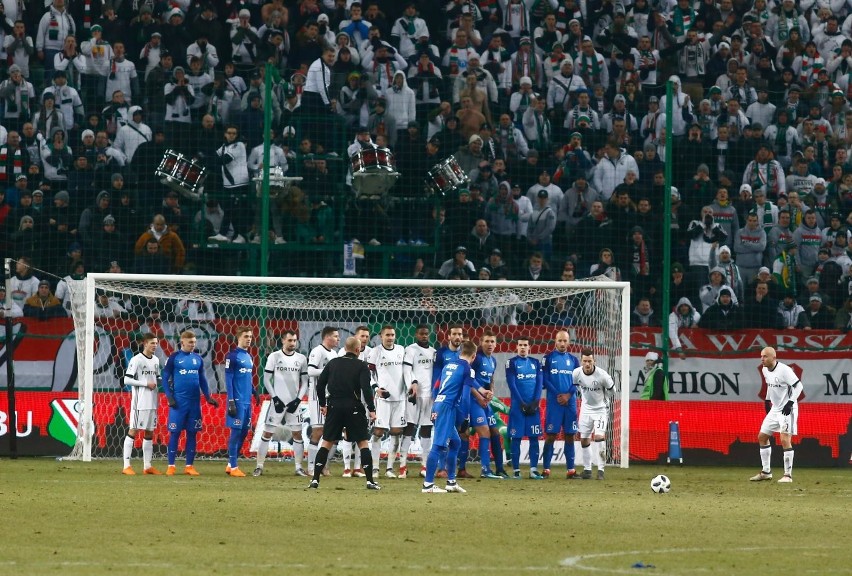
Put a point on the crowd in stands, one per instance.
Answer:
(555, 109)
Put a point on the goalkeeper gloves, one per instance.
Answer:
(172, 402)
(293, 405)
(232, 408)
(212, 401)
(788, 408)
(278, 403)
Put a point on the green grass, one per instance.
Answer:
(76, 518)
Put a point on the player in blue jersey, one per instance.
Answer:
(239, 373)
(558, 367)
(456, 382)
(446, 354)
(183, 382)
(523, 375)
(480, 415)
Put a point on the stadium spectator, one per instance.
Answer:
(458, 263)
(643, 314)
(819, 316)
(683, 316)
(43, 305)
(171, 247)
(725, 315)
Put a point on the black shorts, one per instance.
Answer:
(350, 417)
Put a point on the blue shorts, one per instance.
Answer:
(445, 425)
(243, 417)
(559, 418)
(521, 425)
(480, 416)
(188, 418)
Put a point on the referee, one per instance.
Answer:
(339, 389)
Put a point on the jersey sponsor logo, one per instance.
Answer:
(391, 363)
(184, 371)
(522, 376)
(281, 368)
(558, 371)
(425, 361)
(244, 370)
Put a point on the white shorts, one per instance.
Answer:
(390, 414)
(273, 420)
(143, 419)
(775, 421)
(419, 414)
(317, 419)
(590, 422)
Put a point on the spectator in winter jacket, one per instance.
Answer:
(724, 315)
(541, 226)
(709, 293)
(733, 274)
(706, 235)
(43, 304)
(749, 246)
(171, 246)
(725, 215)
(612, 169)
(808, 238)
(819, 316)
(643, 314)
(683, 316)
(793, 316)
(760, 309)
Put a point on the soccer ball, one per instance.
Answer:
(661, 484)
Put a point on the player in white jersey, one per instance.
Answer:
(783, 388)
(595, 387)
(286, 381)
(386, 365)
(417, 374)
(347, 448)
(318, 358)
(142, 375)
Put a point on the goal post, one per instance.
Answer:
(111, 311)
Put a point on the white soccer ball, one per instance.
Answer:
(661, 484)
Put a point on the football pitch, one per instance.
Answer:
(78, 518)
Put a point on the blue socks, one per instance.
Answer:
(191, 441)
(174, 438)
(548, 454)
(433, 461)
(234, 443)
(464, 452)
(516, 453)
(535, 450)
(569, 453)
(485, 453)
(497, 450)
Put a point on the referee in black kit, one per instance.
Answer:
(339, 390)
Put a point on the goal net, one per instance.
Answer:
(112, 312)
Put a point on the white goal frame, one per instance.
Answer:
(85, 375)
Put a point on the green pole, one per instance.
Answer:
(667, 229)
(264, 205)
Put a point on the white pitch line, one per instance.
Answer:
(577, 562)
